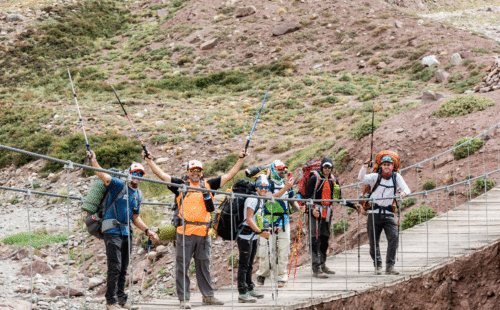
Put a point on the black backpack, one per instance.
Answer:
(223, 227)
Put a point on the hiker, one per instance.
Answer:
(193, 222)
(385, 182)
(115, 228)
(247, 242)
(322, 214)
(276, 214)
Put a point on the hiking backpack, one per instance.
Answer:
(94, 203)
(367, 191)
(228, 227)
(307, 168)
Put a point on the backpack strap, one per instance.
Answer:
(112, 223)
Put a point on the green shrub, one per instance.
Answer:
(417, 216)
(325, 102)
(463, 105)
(468, 148)
(192, 269)
(159, 139)
(408, 202)
(428, 185)
(282, 146)
(368, 95)
(478, 188)
(38, 239)
(220, 165)
(362, 129)
(345, 88)
(338, 227)
(233, 261)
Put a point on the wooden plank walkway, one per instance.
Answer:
(424, 248)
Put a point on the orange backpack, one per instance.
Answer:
(367, 191)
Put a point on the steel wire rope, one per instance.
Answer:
(68, 167)
(446, 195)
(310, 243)
(232, 250)
(345, 243)
(436, 180)
(84, 259)
(359, 241)
(417, 168)
(485, 197)
(427, 229)
(468, 196)
(183, 192)
(28, 195)
(129, 241)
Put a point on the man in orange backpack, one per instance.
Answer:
(384, 182)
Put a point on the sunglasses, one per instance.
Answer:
(137, 174)
(196, 170)
(262, 187)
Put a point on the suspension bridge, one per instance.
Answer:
(466, 221)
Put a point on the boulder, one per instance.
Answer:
(361, 64)
(282, 29)
(162, 160)
(94, 282)
(162, 12)
(381, 65)
(430, 96)
(243, 11)
(39, 267)
(13, 18)
(455, 59)
(73, 291)
(442, 76)
(14, 304)
(430, 61)
(443, 160)
(398, 24)
(208, 44)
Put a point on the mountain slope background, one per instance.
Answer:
(342, 60)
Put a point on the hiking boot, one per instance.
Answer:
(211, 301)
(111, 307)
(244, 298)
(391, 271)
(255, 294)
(127, 306)
(378, 270)
(320, 275)
(326, 270)
(186, 305)
(260, 280)
(281, 283)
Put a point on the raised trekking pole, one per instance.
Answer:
(145, 265)
(131, 123)
(371, 143)
(265, 227)
(80, 119)
(256, 120)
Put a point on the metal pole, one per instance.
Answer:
(129, 239)
(310, 244)
(359, 241)
(374, 240)
(345, 242)
(68, 167)
(31, 249)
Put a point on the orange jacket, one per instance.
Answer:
(192, 209)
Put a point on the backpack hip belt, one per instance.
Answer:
(381, 210)
(208, 224)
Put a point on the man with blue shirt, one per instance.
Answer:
(276, 215)
(115, 228)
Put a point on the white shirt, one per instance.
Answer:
(252, 204)
(385, 188)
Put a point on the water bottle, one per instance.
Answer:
(209, 203)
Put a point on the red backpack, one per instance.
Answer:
(306, 174)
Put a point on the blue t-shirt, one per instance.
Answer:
(115, 187)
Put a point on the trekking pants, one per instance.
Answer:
(247, 250)
(282, 254)
(117, 259)
(199, 247)
(319, 242)
(390, 226)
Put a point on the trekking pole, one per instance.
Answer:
(80, 118)
(266, 228)
(255, 123)
(277, 263)
(131, 123)
(298, 246)
(371, 147)
(145, 266)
